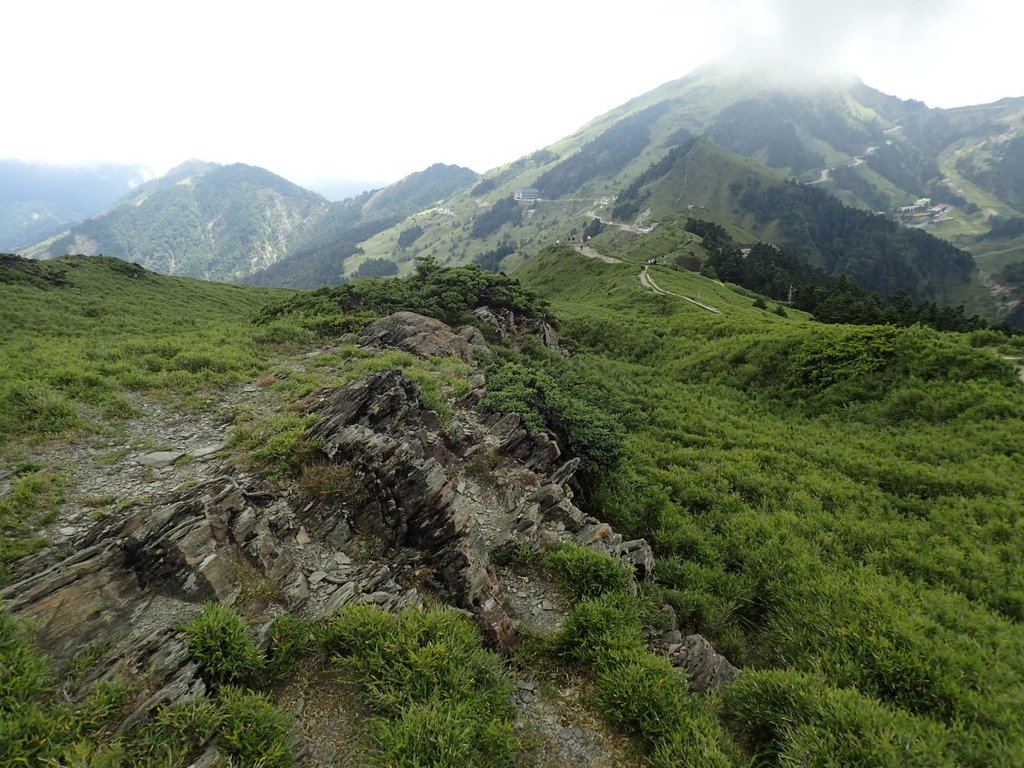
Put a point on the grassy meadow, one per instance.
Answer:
(838, 508)
(80, 333)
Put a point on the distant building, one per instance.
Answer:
(525, 195)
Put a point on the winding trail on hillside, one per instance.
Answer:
(648, 282)
(645, 278)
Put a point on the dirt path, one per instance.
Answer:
(590, 253)
(645, 278)
(648, 282)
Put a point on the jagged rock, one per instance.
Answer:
(508, 324)
(475, 338)
(704, 667)
(438, 498)
(638, 554)
(136, 580)
(420, 335)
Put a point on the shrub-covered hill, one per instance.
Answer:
(839, 508)
(86, 330)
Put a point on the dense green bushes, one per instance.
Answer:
(541, 391)
(835, 503)
(441, 699)
(877, 373)
(447, 294)
(790, 718)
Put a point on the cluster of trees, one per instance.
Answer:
(409, 235)
(755, 125)
(1007, 228)
(874, 251)
(781, 275)
(505, 211)
(631, 199)
(845, 177)
(448, 294)
(904, 165)
(491, 260)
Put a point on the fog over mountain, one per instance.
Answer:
(318, 110)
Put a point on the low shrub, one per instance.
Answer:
(222, 643)
(584, 573)
(33, 406)
(598, 626)
(441, 698)
(276, 445)
(291, 640)
(253, 732)
(794, 719)
(333, 483)
(32, 502)
(442, 735)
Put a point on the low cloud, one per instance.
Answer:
(815, 39)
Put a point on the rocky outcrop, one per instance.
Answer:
(510, 326)
(419, 335)
(434, 501)
(454, 494)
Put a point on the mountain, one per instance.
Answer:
(321, 257)
(230, 222)
(201, 219)
(769, 159)
(38, 200)
(231, 536)
(769, 156)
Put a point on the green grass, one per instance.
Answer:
(35, 495)
(81, 332)
(836, 508)
(842, 503)
(220, 640)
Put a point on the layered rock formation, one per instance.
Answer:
(434, 501)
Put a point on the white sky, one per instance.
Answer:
(376, 89)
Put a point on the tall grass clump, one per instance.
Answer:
(639, 693)
(583, 572)
(439, 697)
(223, 644)
(32, 502)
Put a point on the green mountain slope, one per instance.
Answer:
(725, 143)
(835, 509)
(232, 222)
(79, 332)
(321, 255)
(201, 220)
(828, 505)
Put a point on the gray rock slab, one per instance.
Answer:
(160, 459)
